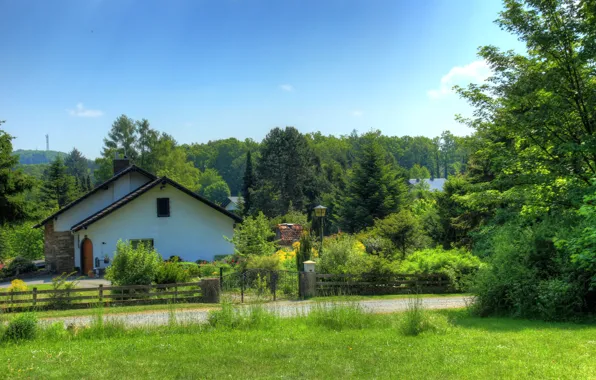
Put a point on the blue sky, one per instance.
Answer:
(203, 70)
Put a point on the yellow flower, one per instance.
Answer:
(17, 286)
(296, 246)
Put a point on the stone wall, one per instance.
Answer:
(58, 249)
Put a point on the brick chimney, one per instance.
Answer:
(120, 164)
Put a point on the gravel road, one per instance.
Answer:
(282, 308)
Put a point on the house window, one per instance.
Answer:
(146, 242)
(163, 207)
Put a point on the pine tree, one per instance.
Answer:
(12, 183)
(76, 164)
(88, 183)
(247, 185)
(375, 190)
(58, 188)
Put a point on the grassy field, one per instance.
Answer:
(330, 345)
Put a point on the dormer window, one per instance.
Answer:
(163, 207)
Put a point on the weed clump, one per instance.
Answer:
(22, 327)
(339, 316)
(416, 320)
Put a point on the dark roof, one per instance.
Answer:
(288, 233)
(141, 190)
(95, 190)
(434, 184)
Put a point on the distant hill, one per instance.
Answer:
(28, 157)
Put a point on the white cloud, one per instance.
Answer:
(287, 87)
(357, 113)
(81, 111)
(475, 72)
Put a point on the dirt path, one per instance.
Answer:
(284, 309)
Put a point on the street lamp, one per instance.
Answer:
(320, 212)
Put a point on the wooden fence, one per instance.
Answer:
(104, 295)
(347, 284)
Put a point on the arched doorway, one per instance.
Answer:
(86, 256)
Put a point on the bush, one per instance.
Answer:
(342, 254)
(457, 264)
(20, 265)
(171, 272)
(192, 268)
(208, 270)
(59, 299)
(22, 327)
(557, 299)
(21, 240)
(133, 266)
(270, 263)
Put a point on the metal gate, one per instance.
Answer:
(259, 285)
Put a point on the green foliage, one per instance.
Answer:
(217, 192)
(36, 157)
(376, 188)
(416, 320)
(403, 230)
(458, 264)
(192, 268)
(304, 253)
(269, 262)
(21, 240)
(22, 327)
(284, 172)
(174, 164)
(60, 299)
(252, 237)
(248, 183)
(133, 266)
(20, 265)
(252, 317)
(419, 172)
(13, 183)
(171, 272)
(58, 187)
(341, 255)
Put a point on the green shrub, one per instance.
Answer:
(339, 316)
(171, 272)
(270, 262)
(192, 268)
(133, 266)
(341, 255)
(60, 299)
(557, 299)
(457, 264)
(21, 327)
(208, 270)
(20, 265)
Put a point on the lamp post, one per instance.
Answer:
(320, 212)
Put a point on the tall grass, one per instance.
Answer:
(336, 316)
(255, 316)
(416, 320)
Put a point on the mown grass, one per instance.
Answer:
(335, 341)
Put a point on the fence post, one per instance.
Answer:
(273, 282)
(242, 286)
(221, 278)
(308, 280)
(176, 293)
(211, 290)
(101, 293)
(34, 296)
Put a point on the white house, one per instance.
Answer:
(137, 206)
(232, 203)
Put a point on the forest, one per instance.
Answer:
(515, 223)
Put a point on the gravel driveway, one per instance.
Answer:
(284, 309)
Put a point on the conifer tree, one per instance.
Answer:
(58, 188)
(375, 189)
(247, 185)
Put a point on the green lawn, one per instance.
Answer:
(298, 348)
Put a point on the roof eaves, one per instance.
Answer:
(94, 190)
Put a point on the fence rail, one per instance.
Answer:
(346, 284)
(107, 295)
